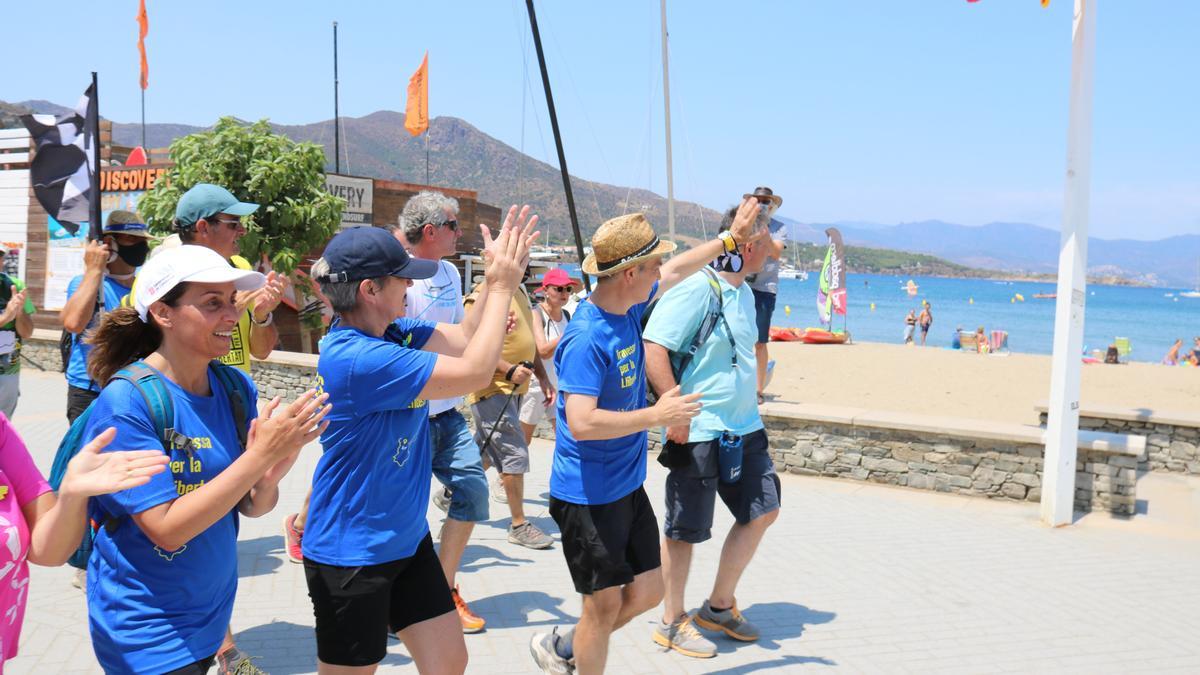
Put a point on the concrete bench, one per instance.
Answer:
(1172, 437)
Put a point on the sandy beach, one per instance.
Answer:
(937, 381)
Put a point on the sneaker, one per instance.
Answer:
(731, 622)
(233, 662)
(546, 656)
(292, 538)
(528, 535)
(442, 499)
(498, 494)
(79, 580)
(683, 637)
(471, 622)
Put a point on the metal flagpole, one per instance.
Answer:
(667, 116)
(427, 155)
(337, 132)
(562, 157)
(1062, 427)
(143, 119)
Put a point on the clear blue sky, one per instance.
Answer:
(874, 110)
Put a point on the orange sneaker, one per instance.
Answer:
(471, 622)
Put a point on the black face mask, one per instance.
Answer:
(134, 254)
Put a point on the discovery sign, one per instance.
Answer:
(358, 193)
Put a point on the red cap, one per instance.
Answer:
(557, 277)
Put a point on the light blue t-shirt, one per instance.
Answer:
(77, 375)
(150, 610)
(601, 355)
(728, 401)
(371, 486)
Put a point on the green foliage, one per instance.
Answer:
(285, 178)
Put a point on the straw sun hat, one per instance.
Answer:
(623, 242)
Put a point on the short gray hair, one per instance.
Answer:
(342, 295)
(425, 207)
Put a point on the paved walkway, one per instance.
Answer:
(853, 577)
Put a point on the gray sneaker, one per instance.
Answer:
(731, 622)
(79, 580)
(546, 656)
(683, 637)
(528, 535)
(498, 494)
(442, 499)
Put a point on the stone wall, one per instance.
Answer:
(1172, 440)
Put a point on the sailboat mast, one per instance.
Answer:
(667, 115)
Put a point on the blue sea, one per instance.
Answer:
(878, 303)
(1151, 320)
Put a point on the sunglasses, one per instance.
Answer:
(562, 289)
(232, 224)
(451, 225)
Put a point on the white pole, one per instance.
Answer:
(1062, 427)
(667, 114)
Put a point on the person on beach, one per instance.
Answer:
(609, 532)
(981, 342)
(728, 422)
(496, 409)
(369, 560)
(1172, 357)
(163, 572)
(765, 285)
(925, 320)
(16, 325)
(550, 318)
(108, 262)
(44, 528)
(956, 340)
(910, 326)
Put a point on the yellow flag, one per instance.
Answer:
(416, 113)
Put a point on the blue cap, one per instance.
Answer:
(371, 252)
(206, 200)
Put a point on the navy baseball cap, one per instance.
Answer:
(206, 200)
(371, 252)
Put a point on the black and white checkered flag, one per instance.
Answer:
(61, 172)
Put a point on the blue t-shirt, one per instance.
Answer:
(151, 610)
(77, 375)
(371, 485)
(728, 401)
(600, 355)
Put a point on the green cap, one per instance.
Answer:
(206, 200)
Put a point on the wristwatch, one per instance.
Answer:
(265, 322)
(726, 238)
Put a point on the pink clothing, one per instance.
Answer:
(20, 483)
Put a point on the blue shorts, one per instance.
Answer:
(764, 307)
(457, 465)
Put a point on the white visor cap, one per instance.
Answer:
(198, 264)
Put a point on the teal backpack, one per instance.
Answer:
(149, 384)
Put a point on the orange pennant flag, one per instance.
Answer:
(143, 29)
(416, 113)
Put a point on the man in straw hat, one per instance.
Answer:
(609, 532)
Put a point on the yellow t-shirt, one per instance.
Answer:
(518, 346)
(239, 350)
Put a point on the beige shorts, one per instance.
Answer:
(533, 405)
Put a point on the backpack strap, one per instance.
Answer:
(158, 399)
(237, 390)
(715, 312)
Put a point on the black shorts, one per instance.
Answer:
(692, 487)
(78, 400)
(356, 607)
(608, 545)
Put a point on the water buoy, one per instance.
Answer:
(970, 301)
(787, 309)
(872, 307)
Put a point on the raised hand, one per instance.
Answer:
(15, 305)
(745, 224)
(673, 409)
(279, 434)
(270, 295)
(507, 255)
(95, 255)
(92, 472)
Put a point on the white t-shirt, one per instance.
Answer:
(551, 329)
(438, 298)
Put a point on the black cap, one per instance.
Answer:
(371, 252)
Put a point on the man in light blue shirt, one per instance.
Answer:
(722, 371)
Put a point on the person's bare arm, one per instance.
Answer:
(684, 265)
(591, 423)
(77, 312)
(545, 347)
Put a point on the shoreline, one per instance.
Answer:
(939, 381)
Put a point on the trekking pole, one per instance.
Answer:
(486, 441)
(35, 363)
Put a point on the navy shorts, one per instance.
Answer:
(764, 307)
(692, 487)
